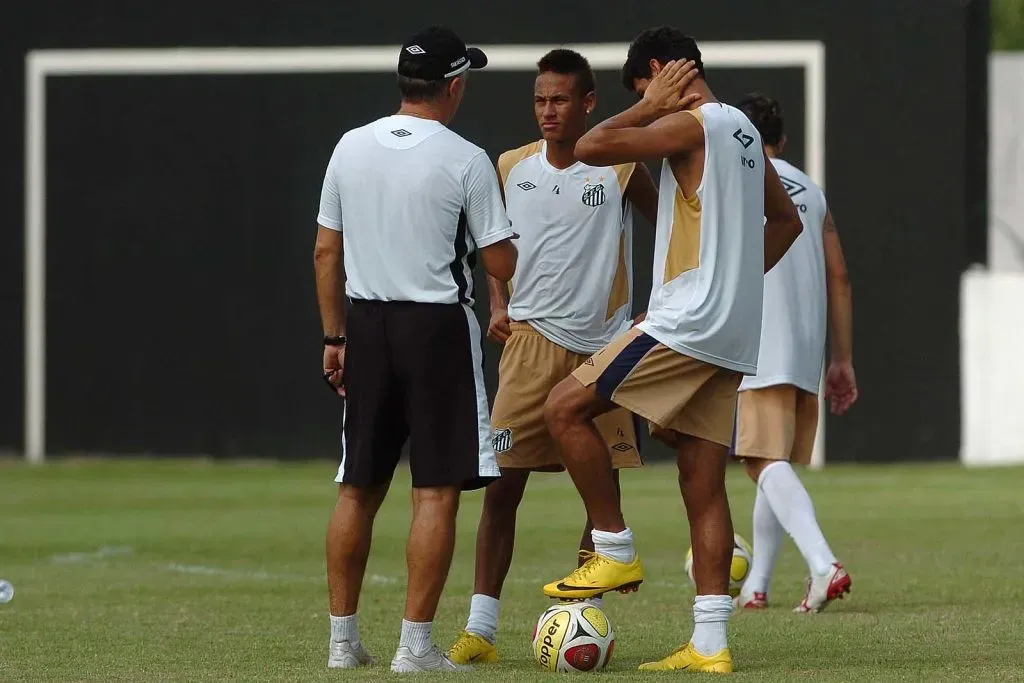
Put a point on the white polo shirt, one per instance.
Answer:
(416, 200)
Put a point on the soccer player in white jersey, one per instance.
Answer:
(571, 295)
(724, 218)
(777, 413)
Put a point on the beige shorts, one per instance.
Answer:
(674, 392)
(531, 365)
(776, 423)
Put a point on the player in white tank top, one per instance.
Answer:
(778, 408)
(724, 219)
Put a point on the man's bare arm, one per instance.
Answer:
(840, 295)
(653, 127)
(628, 137)
(641, 193)
(329, 265)
(782, 222)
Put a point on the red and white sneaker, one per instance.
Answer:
(821, 590)
(755, 601)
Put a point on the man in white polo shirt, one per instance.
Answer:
(407, 205)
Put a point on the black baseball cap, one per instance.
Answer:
(436, 53)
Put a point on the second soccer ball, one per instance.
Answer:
(742, 557)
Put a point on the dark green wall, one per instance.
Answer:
(181, 210)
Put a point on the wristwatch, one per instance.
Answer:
(340, 340)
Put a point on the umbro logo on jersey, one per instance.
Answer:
(593, 195)
(526, 185)
(415, 50)
(792, 187)
(401, 133)
(743, 138)
(622, 447)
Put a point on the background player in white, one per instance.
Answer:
(724, 218)
(406, 204)
(777, 413)
(571, 295)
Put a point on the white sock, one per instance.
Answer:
(710, 614)
(416, 636)
(596, 602)
(617, 546)
(483, 616)
(767, 539)
(793, 508)
(345, 628)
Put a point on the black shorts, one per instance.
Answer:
(414, 371)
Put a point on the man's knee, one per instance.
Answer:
(755, 466)
(503, 495)
(701, 465)
(567, 403)
(360, 497)
(436, 497)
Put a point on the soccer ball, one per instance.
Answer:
(573, 636)
(742, 557)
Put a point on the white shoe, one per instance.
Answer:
(432, 660)
(344, 656)
(822, 590)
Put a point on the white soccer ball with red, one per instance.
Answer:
(573, 637)
(739, 568)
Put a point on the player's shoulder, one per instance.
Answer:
(510, 158)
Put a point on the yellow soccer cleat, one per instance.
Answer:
(688, 659)
(598, 575)
(473, 649)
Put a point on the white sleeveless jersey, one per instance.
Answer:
(795, 303)
(709, 249)
(573, 281)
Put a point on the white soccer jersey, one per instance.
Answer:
(709, 249)
(416, 201)
(795, 305)
(573, 281)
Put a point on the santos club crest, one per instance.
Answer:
(501, 440)
(593, 195)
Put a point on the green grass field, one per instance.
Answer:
(191, 571)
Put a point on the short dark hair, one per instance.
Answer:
(420, 90)
(663, 43)
(568, 63)
(766, 115)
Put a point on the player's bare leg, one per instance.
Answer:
(780, 489)
(429, 549)
(348, 547)
(428, 557)
(495, 536)
(495, 542)
(570, 411)
(702, 482)
(587, 540)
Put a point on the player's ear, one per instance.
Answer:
(590, 101)
(655, 67)
(455, 85)
(782, 144)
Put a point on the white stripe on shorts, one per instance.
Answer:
(341, 468)
(488, 464)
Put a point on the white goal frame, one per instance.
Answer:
(39, 64)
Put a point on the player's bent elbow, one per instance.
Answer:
(500, 260)
(588, 148)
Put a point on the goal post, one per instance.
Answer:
(40, 64)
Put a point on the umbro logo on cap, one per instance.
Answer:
(415, 50)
